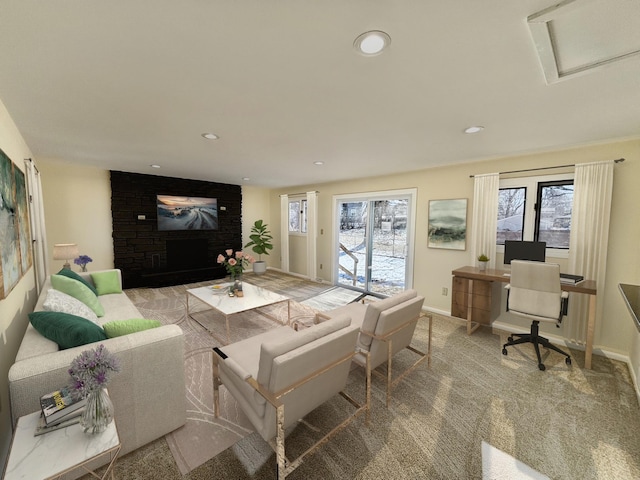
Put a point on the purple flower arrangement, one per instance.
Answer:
(91, 370)
(82, 260)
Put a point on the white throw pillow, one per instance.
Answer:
(57, 301)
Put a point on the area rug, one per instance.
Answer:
(332, 298)
(204, 436)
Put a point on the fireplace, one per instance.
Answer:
(187, 254)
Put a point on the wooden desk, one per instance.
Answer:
(462, 299)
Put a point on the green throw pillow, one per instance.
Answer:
(71, 274)
(125, 327)
(66, 330)
(79, 291)
(107, 282)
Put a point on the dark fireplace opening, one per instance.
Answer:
(186, 254)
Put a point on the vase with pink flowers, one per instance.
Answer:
(235, 263)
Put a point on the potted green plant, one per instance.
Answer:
(483, 259)
(260, 243)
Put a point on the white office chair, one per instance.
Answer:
(534, 292)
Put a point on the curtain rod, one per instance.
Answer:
(619, 160)
(303, 193)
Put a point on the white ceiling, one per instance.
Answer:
(123, 84)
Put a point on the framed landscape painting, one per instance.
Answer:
(448, 224)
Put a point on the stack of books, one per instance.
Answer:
(59, 409)
(570, 279)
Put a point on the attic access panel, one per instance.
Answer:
(578, 36)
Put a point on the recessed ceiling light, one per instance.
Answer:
(246, 179)
(371, 43)
(210, 136)
(154, 166)
(474, 129)
(318, 163)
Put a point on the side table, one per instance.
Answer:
(51, 455)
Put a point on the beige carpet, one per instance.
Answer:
(566, 422)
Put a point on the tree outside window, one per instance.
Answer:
(511, 202)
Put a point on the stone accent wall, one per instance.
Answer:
(140, 249)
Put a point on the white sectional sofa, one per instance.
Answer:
(148, 393)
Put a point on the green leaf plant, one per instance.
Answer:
(260, 239)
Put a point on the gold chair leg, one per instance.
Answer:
(368, 389)
(280, 452)
(216, 388)
(389, 356)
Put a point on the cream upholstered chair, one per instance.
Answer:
(535, 293)
(386, 327)
(281, 375)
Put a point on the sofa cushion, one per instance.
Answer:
(66, 330)
(73, 275)
(77, 290)
(107, 282)
(117, 328)
(57, 301)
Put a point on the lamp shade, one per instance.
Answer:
(65, 251)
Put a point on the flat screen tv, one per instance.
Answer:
(521, 250)
(187, 213)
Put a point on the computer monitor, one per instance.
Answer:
(520, 250)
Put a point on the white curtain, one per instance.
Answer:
(284, 233)
(38, 231)
(312, 234)
(485, 217)
(592, 189)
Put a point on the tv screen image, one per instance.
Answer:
(187, 213)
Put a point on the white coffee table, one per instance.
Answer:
(253, 298)
(51, 455)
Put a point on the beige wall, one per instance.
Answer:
(255, 206)
(20, 301)
(77, 209)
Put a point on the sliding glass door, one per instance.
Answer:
(374, 246)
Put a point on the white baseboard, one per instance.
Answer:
(299, 275)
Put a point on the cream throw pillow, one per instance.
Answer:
(57, 301)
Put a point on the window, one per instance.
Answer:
(536, 208)
(553, 213)
(298, 216)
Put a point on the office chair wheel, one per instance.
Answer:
(510, 339)
(567, 361)
(504, 351)
(542, 367)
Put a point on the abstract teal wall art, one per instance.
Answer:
(15, 231)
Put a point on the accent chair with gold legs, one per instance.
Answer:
(386, 327)
(281, 375)
(535, 293)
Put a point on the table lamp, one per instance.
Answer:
(65, 251)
